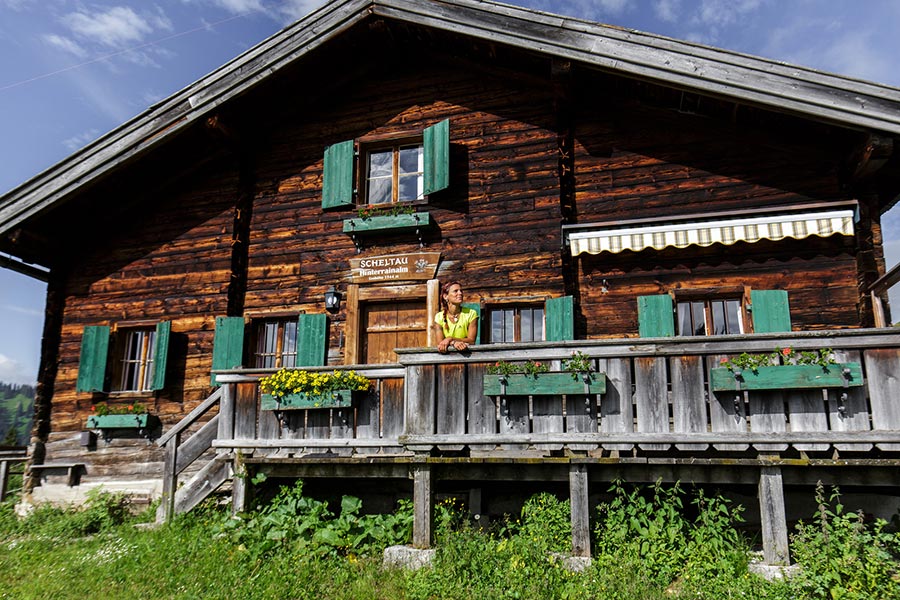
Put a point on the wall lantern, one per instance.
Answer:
(332, 300)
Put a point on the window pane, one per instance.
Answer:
(137, 361)
(733, 316)
(411, 160)
(527, 333)
(496, 326)
(698, 316)
(266, 344)
(685, 327)
(379, 190)
(538, 324)
(411, 187)
(717, 307)
(380, 163)
(289, 344)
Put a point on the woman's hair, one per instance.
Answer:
(445, 287)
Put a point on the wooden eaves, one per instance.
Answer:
(746, 79)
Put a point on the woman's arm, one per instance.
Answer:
(458, 343)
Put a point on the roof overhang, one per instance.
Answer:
(709, 229)
(746, 79)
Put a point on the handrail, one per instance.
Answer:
(190, 418)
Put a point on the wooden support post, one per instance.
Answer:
(4, 478)
(170, 478)
(239, 485)
(422, 506)
(580, 510)
(226, 413)
(774, 522)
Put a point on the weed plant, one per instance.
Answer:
(651, 543)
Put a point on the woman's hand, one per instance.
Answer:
(444, 344)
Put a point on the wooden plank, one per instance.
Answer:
(772, 514)
(848, 409)
(451, 399)
(542, 384)
(196, 445)
(547, 417)
(767, 415)
(269, 426)
(651, 398)
(368, 415)
(318, 424)
(807, 412)
(392, 406)
(166, 511)
(342, 427)
(580, 510)
(726, 411)
(688, 398)
(883, 379)
(420, 404)
(482, 410)
(581, 417)
(616, 406)
(245, 405)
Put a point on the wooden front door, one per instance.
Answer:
(389, 325)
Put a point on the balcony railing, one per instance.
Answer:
(658, 399)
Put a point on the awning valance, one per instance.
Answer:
(705, 233)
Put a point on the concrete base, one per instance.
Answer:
(771, 572)
(573, 564)
(407, 557)
(140, 491)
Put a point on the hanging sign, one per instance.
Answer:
(395, 267)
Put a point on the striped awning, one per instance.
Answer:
(707, 233)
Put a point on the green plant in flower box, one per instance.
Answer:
(125, 416)
(534, 378)
(297, 388)
(784, 369)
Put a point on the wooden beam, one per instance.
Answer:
(423, 501)
(772, 515)
(580, 510)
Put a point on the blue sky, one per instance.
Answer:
(71, 70)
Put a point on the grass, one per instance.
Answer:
(297, 547)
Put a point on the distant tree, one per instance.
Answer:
(11, 438)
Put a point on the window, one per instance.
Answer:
(394, 173)
(710, 317)
(137, 362)
(399, 167)
(275, 344)
(767, 311)
(134, 372)
(516, 324)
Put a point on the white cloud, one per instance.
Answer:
(12, 371)
(719, 13)
(116, 27)
(667, 10)
(82, 139)
(293, 10)
(240, 6)
(65, 44)
(16, 4)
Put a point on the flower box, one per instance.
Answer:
(126, 421)
(387, 223)
(304, 400)
(542, 384)
(785, 377)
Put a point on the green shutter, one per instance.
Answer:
(337, 178)
(770, 311)
(161, 354)
(436, 142)
(559, 317)
(92, 361)
(228, 344)
(656, 316)
(312, 338)
(476, 306)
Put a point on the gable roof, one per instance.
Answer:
(806, 92)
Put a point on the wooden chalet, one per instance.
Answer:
(656, 205)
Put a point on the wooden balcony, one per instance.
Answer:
(658, 400)
(659, 416)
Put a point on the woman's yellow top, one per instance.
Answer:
(460, 329)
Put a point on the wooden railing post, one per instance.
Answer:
(772, 514)
(580, 510)
(423, 501)
(226, 412)
(170, 477)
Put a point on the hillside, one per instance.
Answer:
(16, 412)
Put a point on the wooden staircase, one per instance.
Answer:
(182, 451)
